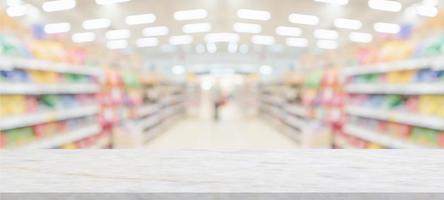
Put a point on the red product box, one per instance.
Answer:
(441, 139)
(2, 140)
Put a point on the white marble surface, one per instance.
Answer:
(222, 171)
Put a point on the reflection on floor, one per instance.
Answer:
(233, 131)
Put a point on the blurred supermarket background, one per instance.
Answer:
(221, 74)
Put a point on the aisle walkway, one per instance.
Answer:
(233, 132)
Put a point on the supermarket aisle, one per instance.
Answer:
(234, 131)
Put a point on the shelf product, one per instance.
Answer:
(399, 101)
(48, 94)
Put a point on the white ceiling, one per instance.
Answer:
(222, 16)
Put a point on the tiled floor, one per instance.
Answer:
(234, 131)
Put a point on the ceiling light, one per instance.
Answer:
(196, 28)
(247, 28)
(16, 11)
(178, 69)
(266, 69)
(117, 44)
(303, 19)
(51, 6)
(140, 19)
(253, 14)
(262, 39)
(190, 14)
(118, 34)
(14, 2)
(155, 31)
(334, 2)
(326, 34)
(387, 28)
(232, 47)
(327, 44)
(360, 37)
(83, 37)
(222, 37)
(57, 28)
(108, 2)
(426, 11)
(348, 24)
(385, 5)
(297, 42)
(147, 42)
(211, 48)
(288, 31)
(96, 23)
(181, 40)
(432, 3)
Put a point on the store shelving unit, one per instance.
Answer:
(37, 118)
(398, 116)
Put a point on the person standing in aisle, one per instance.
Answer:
(217, 99)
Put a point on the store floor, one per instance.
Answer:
(233, 131)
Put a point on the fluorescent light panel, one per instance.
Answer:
(51, 6)
(288, 31)
(326, 34)
(16, 10)
(385, 5)
(222, 37)
(83, 37)
(190, 14)
(57, 28)
(99, 23)
(155, 31)
(360, 37)
(247, 28)
(140, 19)
(262, 39)
(327, 44)
(348, 24)
(387, 28)
(334, 2)
(254, 14)
(108, 2)
(181, 40)
(297, 42)
(303, 19)
(147, 42)
(426, 11)
(117, 44)
(196, 28)
(118, 34)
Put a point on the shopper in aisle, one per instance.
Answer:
(218, 100)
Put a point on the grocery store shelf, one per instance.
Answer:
(147, 109)
(296, 109)
(294, 122)
(379, 138)
(8, 63)
(406, 89)
(413, 119)
(30, 88)
(48, 116)
(64, 138)
(412, 64)
(149, 122)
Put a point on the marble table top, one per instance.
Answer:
(222, 171)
